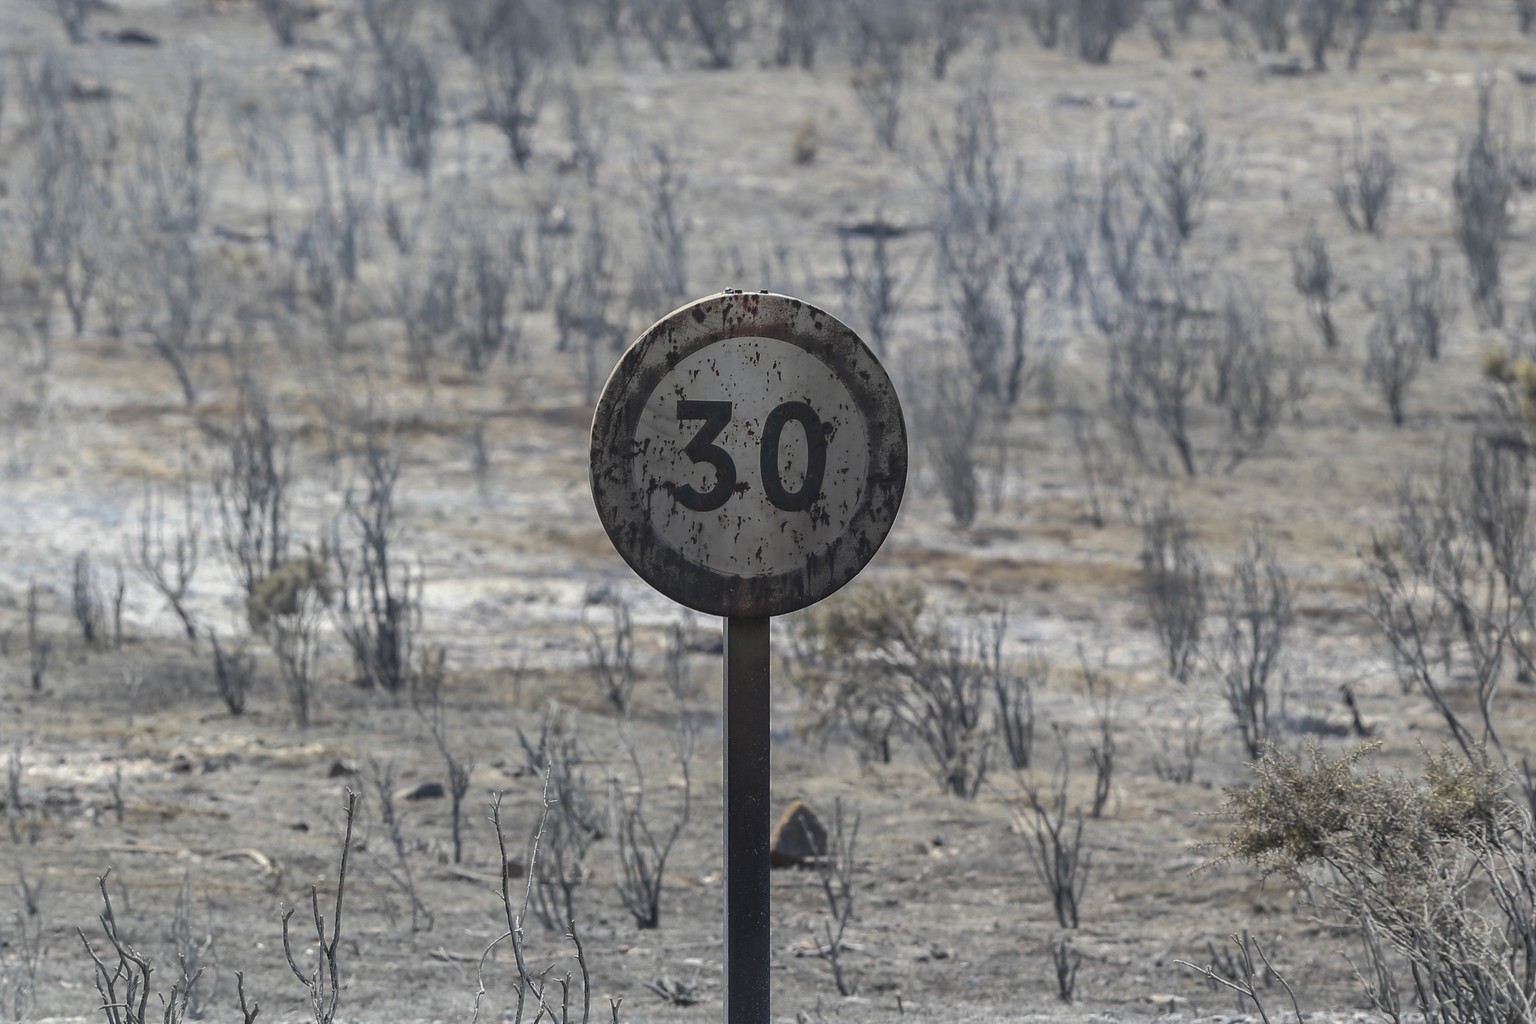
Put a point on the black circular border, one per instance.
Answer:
(640, 370)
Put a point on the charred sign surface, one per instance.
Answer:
(748, 455)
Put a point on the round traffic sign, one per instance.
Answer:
(748, 454)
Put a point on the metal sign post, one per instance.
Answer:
(747, 815)
(748, 458)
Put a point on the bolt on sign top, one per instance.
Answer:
(748, 455)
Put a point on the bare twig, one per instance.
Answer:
(324, 982)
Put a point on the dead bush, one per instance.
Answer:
(585, 306)
(540, 245)
(874, 658)
(1269, 20)
(29, 320)
(1248, 656)
(1312, 272)
(1046, 19)
(661, 271)
(283, 17)
(485, 325)
(378, 612)
(86, 604)
(715, 23)
(1254, 382)
(587, 126)
(642, 844)
(659, 23)
(323, 981)
(16, 805)
(336, 103)
(1429, 303)
(949, 419)
(1236, 973)
(183, 302)
(1483, 189)
(1174, 582)
(426, 303)
(39, 647)
(1363, 182)
(611, 656)
(100, 627)
(1361, 16)
(1065, 961)
(1179, 767)
(513, 51)
(881, 35)
(388, 24)
(234, 672)
(1097, 24)
(266, 157)
(584, 23)
(67, 205)
(529, 985)
(879, 88)
(398, 871)
(1394, 355)
(327, 251)
(1157, 360)
(196, 955)
(167, 557)
(873, 285)
(575, 823)
(1214, 383)
(1054, 837)
(835, 871)
(801, 25)
(1103, 747)
(427, 698)
(168, 186)
(1319, 22)
(408, 102)
(250, 487)
(867, 26)
(557, 749)
(19, 964)
(74, 15)
(1135, 249)
(1451, 581)
(1178, 170)
(989, 270)
(1015, 693)
(125, 986)
(1113, 233)
(287, 608)
(1101, 467)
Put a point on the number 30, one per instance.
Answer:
(702, 449)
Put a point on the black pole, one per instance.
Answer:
(746, 821)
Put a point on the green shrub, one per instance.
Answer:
(279, 592)
(1442, 867)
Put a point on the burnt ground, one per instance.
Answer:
(951, 921)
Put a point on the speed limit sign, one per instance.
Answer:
(748, 455)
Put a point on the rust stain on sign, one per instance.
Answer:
(748, 454)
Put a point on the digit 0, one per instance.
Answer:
(815, 456)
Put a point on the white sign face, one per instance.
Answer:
(748, 455)
(748, 473)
